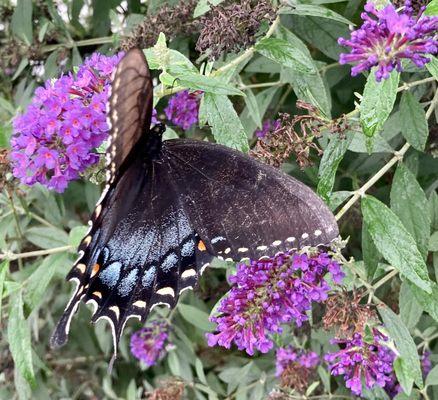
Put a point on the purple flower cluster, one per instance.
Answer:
(54, 139)
(268, 293)
(182, 109)
(386, 37)
(268, 127)
(359, 359)
(148, 343)
(287, 356)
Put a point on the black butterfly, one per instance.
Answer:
(169, 207)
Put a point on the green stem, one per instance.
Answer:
(79, 43)
(398, 156)
(11, 256)
(379, 283)
(260, 85)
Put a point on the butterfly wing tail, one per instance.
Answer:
(60, 334)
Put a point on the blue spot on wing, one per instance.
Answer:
(127, 283)
(169, 262)
(188, 248)
(149, 276)
(111, 274)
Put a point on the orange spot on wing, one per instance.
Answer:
(201, 246)
(95, 269)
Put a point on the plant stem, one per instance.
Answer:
(12, 256)
(398, 156)
(379, 283)
(409, 85)
(79, 43)
(260, 85)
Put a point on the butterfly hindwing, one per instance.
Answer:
(242, 208)
(142, 252)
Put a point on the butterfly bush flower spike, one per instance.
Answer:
(388, 36)
(148, 344)
(360, 360)
(182, 109)
(54, 139)
(268, 293)
(295, 367)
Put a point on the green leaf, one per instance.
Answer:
(253, 108)
(413, 121)
(4, 266)
(429, 302)
(410, 204)
(76, 234)
(321, 33)
(18, 336)
(394, 242)
(337, 198)
(46, 237)
(264, 99)
(433, 209)
(432, 66)
(38, 282)
(21, 23)
(310, 88)
(371, 256)
(172, 61)
(225, 123)
(377, 102)
(404, 344)
(433, 242)
(284, 53)
(196, 317)
(208, 84)
(432, 377)
(200, 371)
(315, 11)
(173, 363)
(402, 372)
(432, 8)
(333, 155)
(410, 309)
(203, 7)
(360, 144)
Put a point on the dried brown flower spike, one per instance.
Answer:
(228, 29)
(172, 21)
(345, 313)
(171, 389)
(297, 136)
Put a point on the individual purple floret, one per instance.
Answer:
(359, 360)
(182, 109)
(268, 127)
(268, 293)
(54, 139)
(426, 363)
(286, 356)
(148, 344)
(387, 37)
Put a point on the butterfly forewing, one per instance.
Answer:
(130, 108)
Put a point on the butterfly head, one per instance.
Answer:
(158, 129)
(154, 140)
